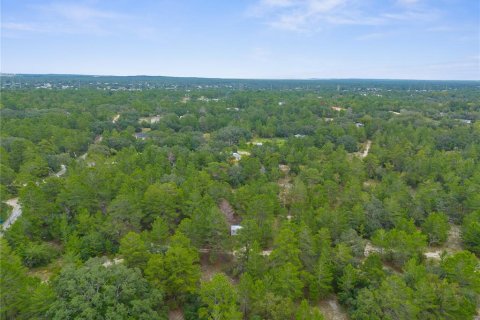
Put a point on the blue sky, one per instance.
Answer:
(396, 39)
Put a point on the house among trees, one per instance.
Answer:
(230, 216)
(140, 135)
(234, 229)
(237, 156)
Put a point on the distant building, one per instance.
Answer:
(151, 120)
(140, 135)
(231, 217)
(234, 229)
(237, 156)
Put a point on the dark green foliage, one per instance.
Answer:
(471, 232)
(13, 283)
(94, 291)
(38, 254)
(5, 211)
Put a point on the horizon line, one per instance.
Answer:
(228, 78)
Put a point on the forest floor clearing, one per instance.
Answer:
(452, 245)
(176, 314)
(109, 262)
(150, 120)
(209, 269)
(261, 141)
(284, 183)
(332, 310)
(44, 273)
(370, 183)
(366, 150)
(228, 212)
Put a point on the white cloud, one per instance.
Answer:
(296, 15)
(79, 12)
(78, 18)
(278, 3)
(260, 54)
(407, 2)
(372, 36)
(440, 29)
(308, 15)
(14, 26)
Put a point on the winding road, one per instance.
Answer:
(17, 208)
(16, 212)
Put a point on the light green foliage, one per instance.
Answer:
(393, 300)
(125, 215)
(305, 312)
(155, 271)
(134, 250)
(260, 208)
(256, 262)
(471, 232)
(207, 229)
(13, 283)
(286, 281)
(349, 284)
(220, 299)
(38, 254)
(159, 233)
(462, 268)
(162, 200)
(181, 272)
(398, 245)
(271, 306)
(320, 284)
(286, 248)
(436, 228)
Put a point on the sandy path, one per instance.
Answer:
(17, 208)
(332, 310)
(366, 150)
(16, 212)
(63, 169)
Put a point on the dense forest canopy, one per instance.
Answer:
(156, 197)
